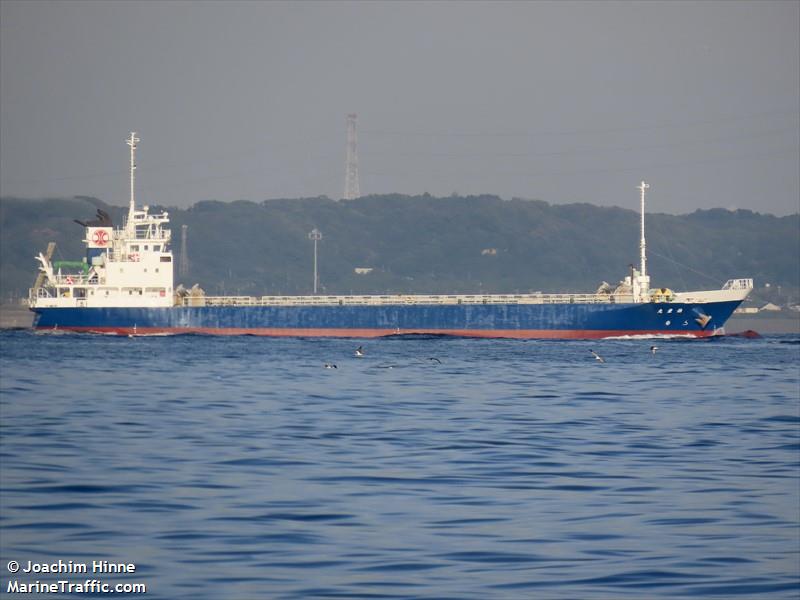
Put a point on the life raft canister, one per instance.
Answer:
(662, 295)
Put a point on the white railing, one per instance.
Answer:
(738, 284)
(144, 231)
(159, 236)
(40, 292)
(404, 299)
(71, 279)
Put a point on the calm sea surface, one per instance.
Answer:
(241, 468)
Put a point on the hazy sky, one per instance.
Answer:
(565, 102)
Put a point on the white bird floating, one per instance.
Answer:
(597, 357)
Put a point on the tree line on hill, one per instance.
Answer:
(422, 244)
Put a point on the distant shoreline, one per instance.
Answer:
(765, 324)
(13, 316)
(17, 316)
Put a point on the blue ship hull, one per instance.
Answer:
(573, 321)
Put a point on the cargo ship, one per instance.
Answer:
(124, 285)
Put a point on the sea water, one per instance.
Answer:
(430, 468)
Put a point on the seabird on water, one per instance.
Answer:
(360, 352)
(330, 366)
(653, 349)
(597, 357)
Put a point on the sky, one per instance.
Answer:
(558, 101)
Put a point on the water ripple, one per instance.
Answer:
(241, 468)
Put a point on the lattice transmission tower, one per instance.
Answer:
(351, 191)
(183, 265)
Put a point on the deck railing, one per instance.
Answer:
(404, 299)
(738, 284)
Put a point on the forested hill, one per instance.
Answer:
(424, 244)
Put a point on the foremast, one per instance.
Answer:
(641, 280)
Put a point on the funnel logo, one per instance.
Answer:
(99, 237)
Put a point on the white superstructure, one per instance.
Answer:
(126, 266)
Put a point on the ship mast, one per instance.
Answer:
(642, 285)
(132, 143)
(642, 245)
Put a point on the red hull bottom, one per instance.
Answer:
(523, 334)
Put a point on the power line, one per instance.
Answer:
(684, 143)
(560, 132)
(578, 171)
(706, 275)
